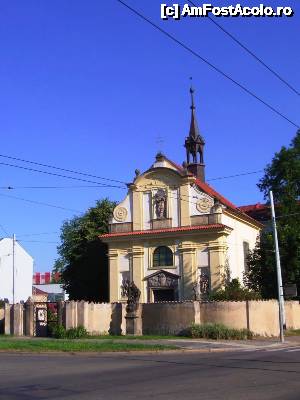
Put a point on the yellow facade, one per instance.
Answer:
(168, 211)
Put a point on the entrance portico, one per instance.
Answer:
(162, 286)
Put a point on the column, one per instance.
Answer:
(71, 314)
(29, 317)
(18, 319)
(7, 319)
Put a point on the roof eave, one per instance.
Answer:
(173, 232)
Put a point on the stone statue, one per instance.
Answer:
(133, 295)
(196, 290)
(161, 204)
(125, 287)
(204, 283)
(201, 286)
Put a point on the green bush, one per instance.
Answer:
(219, 331)
(76, 333)
(59, 332)
(233, 291)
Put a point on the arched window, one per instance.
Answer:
(162, 257)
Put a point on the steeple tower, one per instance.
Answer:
(194, 145)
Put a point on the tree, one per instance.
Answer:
(282, 176)
(261, 272)
(83, 259)
(233, 291)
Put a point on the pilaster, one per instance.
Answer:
(188, 274)
(184, 204)
(29, 317)
(137, 220)
(8, 319)
(18, 319)
(113, 275)
(137, 269)
(217, 260)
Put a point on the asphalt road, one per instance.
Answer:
(240, 374)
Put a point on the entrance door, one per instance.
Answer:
(163, 294)
(45, 318)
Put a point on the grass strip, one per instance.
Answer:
(292, 332)
(37, 345)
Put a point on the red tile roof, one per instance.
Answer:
(209, 190)
(167, 230)
(254, 207)
(37, 291)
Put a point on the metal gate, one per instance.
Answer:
(45, 318)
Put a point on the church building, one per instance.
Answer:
(173, 234)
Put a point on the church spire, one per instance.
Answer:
(194, 130)
(194, 145)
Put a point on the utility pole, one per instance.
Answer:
(13, 261)
(278, 268)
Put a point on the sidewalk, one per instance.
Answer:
(223, 345)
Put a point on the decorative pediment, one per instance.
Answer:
(162, 279)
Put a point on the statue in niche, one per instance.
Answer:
(161, 204)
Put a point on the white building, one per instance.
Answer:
(54, 291)
(16, 270)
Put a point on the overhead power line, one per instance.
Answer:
(217, 69)
(62, 169)
(36, 241)
(235, 176)
(38, 234)
(97, 184)
(55, 174)
(53, 187)
(39, 202)
(250, 52)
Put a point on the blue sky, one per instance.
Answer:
(90, 87)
